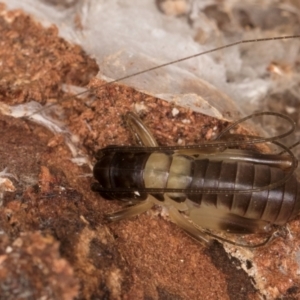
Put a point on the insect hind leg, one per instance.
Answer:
(206, 237)
(177, 218)
(222, 220)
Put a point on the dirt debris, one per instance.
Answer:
(32, 268)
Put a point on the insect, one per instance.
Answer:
(212, 185)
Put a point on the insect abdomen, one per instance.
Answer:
(276, 206)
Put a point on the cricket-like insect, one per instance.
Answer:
(212, 185)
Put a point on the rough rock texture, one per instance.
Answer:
(54, 240)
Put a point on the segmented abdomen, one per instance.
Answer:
(123, 169)
(276, 206)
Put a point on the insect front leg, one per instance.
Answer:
(140, 131)
(131, 211)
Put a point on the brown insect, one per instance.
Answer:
(210, 186)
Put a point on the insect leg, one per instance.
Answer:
(222, 220)
(131, 211)
(208, 218)
(177, 218)
(195, 228)
(140, 131)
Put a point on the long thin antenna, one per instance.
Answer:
(203, 53)
(171, 63)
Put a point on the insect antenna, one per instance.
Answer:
(167, 64)
(219, 143)
(290, 147)
(244, 245)
(258, 139)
